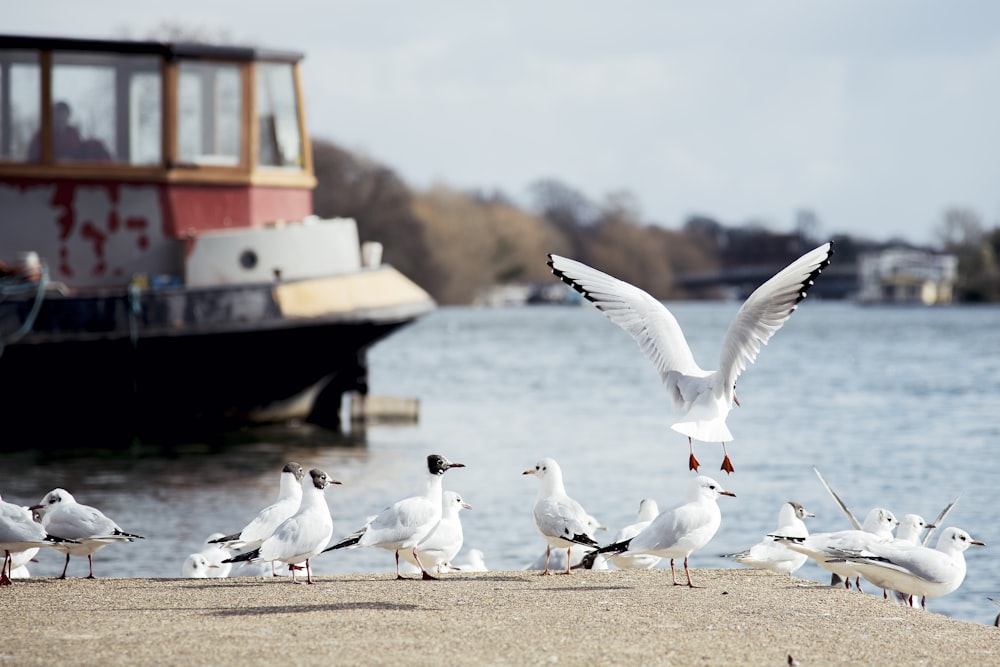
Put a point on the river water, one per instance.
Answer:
(897, 407)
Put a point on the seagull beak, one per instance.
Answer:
(530, 471)
(978, 543)
(466, 506)
(929, 525)
(809, 514)
(727, 493)
(335, 481)
(736, 399)
(35, 507)
(455, 465)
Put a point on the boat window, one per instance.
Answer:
(20, 102)
(106, 108)
(208, 113)
(280, 141)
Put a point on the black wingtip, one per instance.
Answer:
(240, 558)
(343, 544)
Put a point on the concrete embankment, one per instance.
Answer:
(738, 617)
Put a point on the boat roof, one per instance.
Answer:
(168, 50)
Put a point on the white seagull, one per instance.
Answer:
(405, 524)
(445, 541)
(679, 531)
(704, 397)
(261, 526)
(769, 554)
(63, 516)
(822, 547)
(20, 539)
(910, 528)
(215, 553)
(913, 569)
(648, 510)
(302, 535)
(559, 519)
(196, 566)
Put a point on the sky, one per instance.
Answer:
(876, 117)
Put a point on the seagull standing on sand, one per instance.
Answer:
(559, 519)
(648, 510)
(445, 541)
(679, 531)
(704, 397)
(405, 524)
(63, 516)
(822, 547)
(302, 535)
(268, 519)
(769, 554)
(916, 570)
(215, 554)
(197, 566)
(20, 539)
(261, 526)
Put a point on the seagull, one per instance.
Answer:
(561, 520)
(648, 509)
(775, 556)
(196, 566)
(62, 515)
(261, 526)
(821, 547)
(704, 397)
(445, 541)
(916, 570)
(21, 537)
(910, 528)
(679, 531)
(302, 535)
(405, 524)
(215, 553)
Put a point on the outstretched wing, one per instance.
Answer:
(766, 310)
(649, 322)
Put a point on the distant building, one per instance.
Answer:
(906, 276)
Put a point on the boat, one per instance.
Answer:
(161, 269)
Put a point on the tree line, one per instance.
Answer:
(457, 243)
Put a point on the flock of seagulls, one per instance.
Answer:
(424, 531)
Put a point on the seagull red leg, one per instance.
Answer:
(65, 567)
(727, 465)
(427, 576)
(692, 461)
(4, 576)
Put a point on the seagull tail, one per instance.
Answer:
(227, 538)
(243, 557)
(127, 536)
(348, 541)
(588, 560)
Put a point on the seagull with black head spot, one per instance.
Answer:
(302, 535)
(703, 397)
(559, 519)
(405, 524)
(264, 523)
(86, 525)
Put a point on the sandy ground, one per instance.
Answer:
(738, 617)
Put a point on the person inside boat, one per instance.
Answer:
(66, 141)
